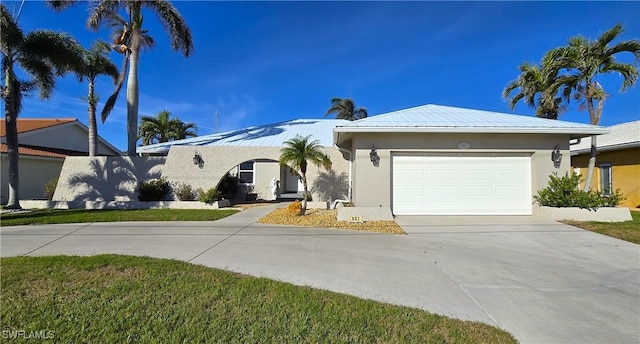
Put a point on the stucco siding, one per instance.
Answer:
(105, 178)
(625, 172)
(34, 174)
(372, 184)
(218, 160)
(265, 171)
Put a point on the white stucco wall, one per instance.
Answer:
(372, 185)
(218, 161)
(105, 178)
(34, 173)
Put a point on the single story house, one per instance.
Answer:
(426, 160)
(44, 143)
(617, 161)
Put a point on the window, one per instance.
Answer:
(605, 179)
(246, 172)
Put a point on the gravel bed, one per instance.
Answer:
(327, 219)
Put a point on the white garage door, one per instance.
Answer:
(462, 184)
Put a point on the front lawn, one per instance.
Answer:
(628, 230)
(49, 216)
(116, 299)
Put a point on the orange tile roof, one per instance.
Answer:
(40, 151)
(29, 124)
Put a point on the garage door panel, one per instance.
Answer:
(460, 184)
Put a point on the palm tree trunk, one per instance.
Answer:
(93, 129)
(592, 164)
(304, 196)
(12, 145)
(133, 93)
(592, 158)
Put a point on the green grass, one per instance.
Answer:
(47, 216)
(628, 230)
(116, 299)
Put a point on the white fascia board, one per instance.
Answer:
(606, 148)
(479, 130)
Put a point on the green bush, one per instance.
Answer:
(208, 196)
(153, 190)
(565, 192)
(184, 192)
(50, 188)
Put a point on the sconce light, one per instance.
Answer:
(197, 160)
(556, 156)
(373, 156)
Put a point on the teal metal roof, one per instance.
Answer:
(268, 135)
(438, 118)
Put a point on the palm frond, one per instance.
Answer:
(174, 25)
(11, 35)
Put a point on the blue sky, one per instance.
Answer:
(263, 62)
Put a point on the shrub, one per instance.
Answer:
(153, 190)
(565, 192)
(184, 192)
(208, 196)
(228, 186)
(50, 188)
(295, 207)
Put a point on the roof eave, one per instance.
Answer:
(606, 148)
(575, 132)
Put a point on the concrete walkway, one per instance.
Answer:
(542, 281)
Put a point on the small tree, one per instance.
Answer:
(297, 153)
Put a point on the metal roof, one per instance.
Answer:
(268, 135)
(437, 118)
(624, 135)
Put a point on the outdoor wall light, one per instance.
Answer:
(197, 160)
(373, 155)
(556, 156)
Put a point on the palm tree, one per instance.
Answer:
(171, 20)
(344, 108)
(531, 84)
(183, 130)
(161, 128)
(42, 55)
(297, 153)
(584, 61)
(95, 63)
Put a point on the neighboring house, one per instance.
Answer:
(427, 160)
(617, 162)
(43, 145)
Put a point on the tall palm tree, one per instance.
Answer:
(344, 108)
(171, 20)
(95, 63)
(531, 84)
(584, 61)
(42, 55)
(161, 128)
(297, 153)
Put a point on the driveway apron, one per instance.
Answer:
(543, 281)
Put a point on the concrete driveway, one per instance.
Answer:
(542, 281)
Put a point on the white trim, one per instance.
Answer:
(609, 167)
(487, 130)
(253, 173)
